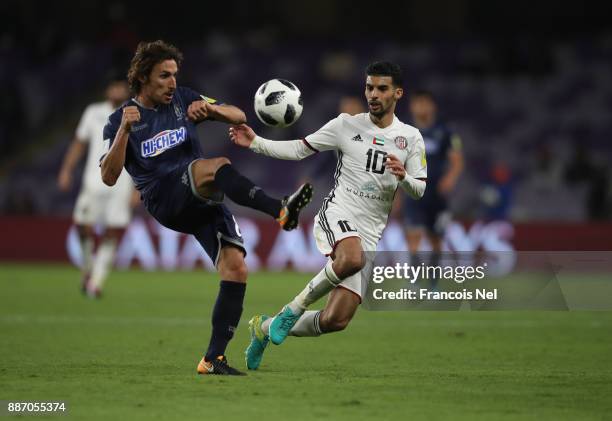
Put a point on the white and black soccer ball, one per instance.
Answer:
(278, 103)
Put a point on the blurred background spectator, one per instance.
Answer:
(528, 85)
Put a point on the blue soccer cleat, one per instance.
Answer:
(259, 342)
(282, 324)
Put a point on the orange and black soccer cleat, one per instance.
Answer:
(292, 205)
(218, 366)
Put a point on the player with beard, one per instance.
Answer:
(153, 135)
(376, 154)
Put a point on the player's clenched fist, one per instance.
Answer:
(395, 166)
(199, 110)
(130, 116)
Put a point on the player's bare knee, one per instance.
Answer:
(219, 162)
(204, 171)
(234, 269)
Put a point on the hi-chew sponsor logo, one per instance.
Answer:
(162, 141)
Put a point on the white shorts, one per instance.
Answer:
(332, 225)
(110, 208)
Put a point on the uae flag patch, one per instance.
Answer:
(378, 141)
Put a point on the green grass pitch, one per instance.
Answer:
(132, 355)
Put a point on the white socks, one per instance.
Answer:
(318, 287)
(307, 325)
(102, 263)
(265, 326)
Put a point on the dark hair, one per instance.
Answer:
(386, 68)
(423, 93)
(147, 55)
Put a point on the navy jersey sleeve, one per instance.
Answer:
(112, 126)
(189, 95)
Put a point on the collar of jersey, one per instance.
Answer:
(141, 105)
(371, 123)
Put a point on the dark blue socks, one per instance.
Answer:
(242, 191)
(225, 317)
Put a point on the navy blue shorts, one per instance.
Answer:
(430, 213)
(175, 203)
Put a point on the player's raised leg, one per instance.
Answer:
(212, 177)
(226, 312)
(348, 260)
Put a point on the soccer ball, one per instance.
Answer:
(278, 103)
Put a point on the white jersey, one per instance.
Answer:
(97, 202)
(363, 188)
(361, 199)
(89, 131)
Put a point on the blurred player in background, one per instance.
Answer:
(154, 136)
(351, 105)
(377, 153)
(97, 203)
(431, 215)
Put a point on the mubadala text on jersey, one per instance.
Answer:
(425, 294)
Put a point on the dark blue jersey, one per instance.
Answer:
(439, 141)
(161, 141)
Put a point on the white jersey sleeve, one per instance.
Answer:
(84, 129)
(324, 139)
(327, 138)
(416, 161)
(281, 149)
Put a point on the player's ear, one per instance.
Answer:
(399, 92)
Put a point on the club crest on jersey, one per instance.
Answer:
(178, 112)
(162, 141)
(401, 142)
(378, 141)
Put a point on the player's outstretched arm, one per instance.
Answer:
(242, 135)
(202, 110)
(113, 161)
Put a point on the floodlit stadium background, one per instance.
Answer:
(527, 86)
